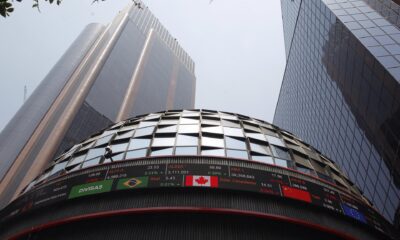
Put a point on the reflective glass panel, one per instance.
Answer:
(236, 132)
(91, 162)
(230, 124)
(185, 140)
(258, 136)
(136, 154)
(95, 152)
(147, 124)
(235, 143)
(280, 152)
(144, 131)
(121, 147)
(166, 129)
(162, 152)
(124, 135)
(58, 167)
(189, 121)
(137, 143)
(161, 142)
(210, 122)
(263, 159)
(281, 162)
(103, 140)
(275, 141)
(186, 151)
(212, 142)
(188, 128)
(260, 148)
(217, 130)
(117, 157)
(169, 122)
(76, 160)
(213, 152)
(237, 154)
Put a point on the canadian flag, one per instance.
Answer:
(201, 181)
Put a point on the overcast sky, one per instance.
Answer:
(237, 46)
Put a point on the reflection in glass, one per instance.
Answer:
(186, 140)
(227, 123)
(95, 152)
(147, 124)
(161, 142)
(189, 121)
(236, 132)
(234, 143)
(136, 154)
(281, 162)
(91, 162)
(264, 149)
(166, 129)
(275, 141)
(237, 154)
(76, 160)
(217, 130)
(188, 128)
(186, 151)
(258, 136)
(162, 152)
(144, 131)
(210, 122)
(137, 143)
(280, 152)
(213, 152)
(124, 135)
(58, 167)
(169, 122)
(263, 159)
(212, 142)
(121, 147)
(104, 140)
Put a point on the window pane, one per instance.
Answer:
(234, 143)
(275, 141)
(258, 136)
(124, 135)
(169, 129)
(237, 154)
(144, 131)
(226, 123)
(95, 152)
(212, 142)
(147, 124)
(217, 130)
(213, 152)
(189, 121)
(161, 142)
(58, 167)
(189, 128)
(76, 160)
(185, 140)
(186, 151)
(162, 152)
(136, 154)
(91, 162)
(264, 149)
(210, 122)
(280, 152)
(281, 162)
(119, 147)
(103, 140)
(263, 159)
(136, 143)
(117, 157)
(169, 122)
(304, 170)
(236, 132)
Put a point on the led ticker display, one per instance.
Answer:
(128, 176)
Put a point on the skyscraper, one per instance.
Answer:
(192, 174)
(130, 67)
(341, 90)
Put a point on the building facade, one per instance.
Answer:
(192, 174)
(130, 67)
(341, 90)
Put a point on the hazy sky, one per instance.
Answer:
(237, 46)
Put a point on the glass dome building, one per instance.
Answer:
(193, 174)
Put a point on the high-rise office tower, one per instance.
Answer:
(132, 66)
(192, 174)
(341, 90)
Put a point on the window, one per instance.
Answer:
(237, 154)
(95, 152)
(280, 152)
(161, 152)
(189, 128)
(186, 151)
(213, 152)
(163, 142)
(121, 147)
(91, 162)
(166, 129)
(263, 159)
(187, 140)
(212, 142)
(137, 143)
(264, 149)
(136, 154)
(144, 131)
(274, 140)
(235, 143)
(236, 132)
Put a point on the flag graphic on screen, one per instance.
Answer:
(201, 181)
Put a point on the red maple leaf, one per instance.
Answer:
(201, 180)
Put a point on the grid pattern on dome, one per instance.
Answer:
(197, 132)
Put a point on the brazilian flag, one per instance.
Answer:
(132, 182)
